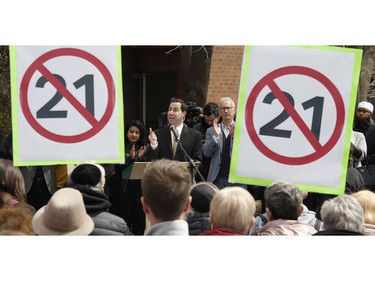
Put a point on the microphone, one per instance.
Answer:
(175, 133)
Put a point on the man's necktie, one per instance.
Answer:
(174, 146)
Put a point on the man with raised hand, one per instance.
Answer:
(162, 139)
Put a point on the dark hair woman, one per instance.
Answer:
(125, 193)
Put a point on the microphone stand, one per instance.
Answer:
(192, 165)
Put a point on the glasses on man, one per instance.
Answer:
(226, 108)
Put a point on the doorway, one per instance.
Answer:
(160, 88)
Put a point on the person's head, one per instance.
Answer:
(201, 195)
(210, 113)
(11, 180)
(366, 199)
(364, 110)
(64, 214)
(283, 201)
(88, 174)
(176, 111)
(342, 213)
(227, 109)
(136, 132)
(16, 219)
(165, 190)
(233, 208)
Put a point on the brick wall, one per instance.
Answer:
(225, 73)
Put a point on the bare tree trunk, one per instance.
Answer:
(5, 106)
(367, 69)
(196, 64)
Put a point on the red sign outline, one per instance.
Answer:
(97, 125)
(320, 150)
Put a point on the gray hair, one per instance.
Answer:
(342, 213)
(226, 99)
(283, 199)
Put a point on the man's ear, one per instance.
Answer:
(212, 220)
(269, 214)
(252, 221)
(300, 210)
(187, 204)
(145, 206)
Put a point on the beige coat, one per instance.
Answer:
(287, 228)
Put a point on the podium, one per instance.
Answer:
(135, 171)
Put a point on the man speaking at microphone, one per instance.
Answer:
(163, 140)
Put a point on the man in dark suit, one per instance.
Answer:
(162, 139)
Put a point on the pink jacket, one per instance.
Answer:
(286, 227)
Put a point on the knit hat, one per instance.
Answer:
(64, 214)
(201, 196)
(88, 174)
(366, 105)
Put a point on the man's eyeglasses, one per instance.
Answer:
(226, 108)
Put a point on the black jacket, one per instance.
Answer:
(368, 129)
(191, 141)
(336, 232)
(198, 225)
(97, 205)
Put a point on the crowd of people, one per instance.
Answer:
(172, 198)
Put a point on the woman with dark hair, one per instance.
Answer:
(125, 193)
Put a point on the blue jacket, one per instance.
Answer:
(213, 150)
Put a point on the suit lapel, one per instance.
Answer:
(221, 138)
(182, 137)
(168, 138)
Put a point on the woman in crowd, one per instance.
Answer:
(12, 186)
(366, 199)
(125, 193)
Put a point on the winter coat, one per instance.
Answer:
(97, 205)
(222, 232)
(286, 227)
(197, 225)
(173, 228)
(306, 216)
(336, 232)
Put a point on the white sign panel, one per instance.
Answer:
(67, 104)
(295, 115)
